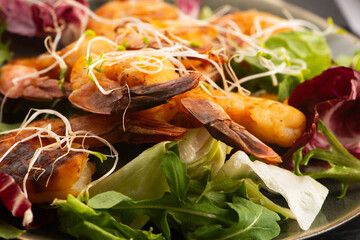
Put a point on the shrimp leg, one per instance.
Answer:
(221, 127)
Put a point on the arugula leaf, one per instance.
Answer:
(197, 217)
(175, 173)
(344, 167)
(79, 220)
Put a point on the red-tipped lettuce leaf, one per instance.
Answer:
(334, 83)
(334, 98)
(14, 199)
(36, 19)
(189, 7)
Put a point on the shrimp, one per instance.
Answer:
(144, 10)
(250, 21)
(222, 127)
(268, 120)
(128, 88)
(71, 172)
(28, 78)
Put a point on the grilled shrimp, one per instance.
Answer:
(124, 87)
(270, 121)
(222, 127)
(28, 78)
(71, 172)
(248, 21)
(145, 10)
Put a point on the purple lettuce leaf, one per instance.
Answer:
(37, 19)
(334, 98)
(14, 199)
(18, 15)
(189, 7)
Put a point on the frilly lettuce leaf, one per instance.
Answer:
(199, 150)
(141, 178)
(303, 194)
(334, 98)
(331, 103)
(305, 45)
(36, 18)
(349, 61)
(14, 199)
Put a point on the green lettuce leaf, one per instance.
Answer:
(305, 45)
(349, 61)
(199, 150)
(140, 179)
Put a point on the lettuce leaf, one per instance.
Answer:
(189, 7)
(349, 61)
(14, 199)
(35, 19)
(331, 103)
(334, 98)
(305, 45)
(140, 179)
(344, 167)
(200, 150)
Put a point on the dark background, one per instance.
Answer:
(325, 9)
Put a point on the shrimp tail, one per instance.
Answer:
(145, 130)
(37, 88)
(138, 98)
(133, 129)
(221, 127)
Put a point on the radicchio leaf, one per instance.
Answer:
(37, 19)
(14, 199)
(189, 7)
(334, 98)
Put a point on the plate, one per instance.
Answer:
(334, 211)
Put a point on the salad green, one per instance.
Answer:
(344, 167)
(288, 47)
